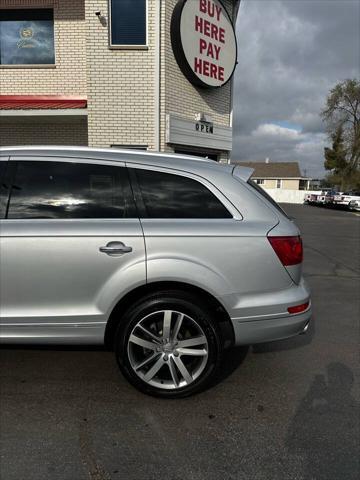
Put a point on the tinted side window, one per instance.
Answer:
(4, 188)
(173, 196)
(61, 190)
(267, 196)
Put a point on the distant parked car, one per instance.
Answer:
(327, 198)
(346, 199)
(310, 198)
(354, 205)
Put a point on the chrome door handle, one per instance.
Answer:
(115, 248)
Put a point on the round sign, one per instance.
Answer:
(204, 42)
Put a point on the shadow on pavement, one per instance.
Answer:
(232, 359)
(235, 356)
(325, 429)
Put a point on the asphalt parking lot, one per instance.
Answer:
(290, 410)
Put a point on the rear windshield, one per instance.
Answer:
(267, 196)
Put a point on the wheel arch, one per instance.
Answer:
(226, 327)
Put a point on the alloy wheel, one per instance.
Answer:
(167, 349)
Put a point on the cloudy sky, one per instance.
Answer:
(291, 52)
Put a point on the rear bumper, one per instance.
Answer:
(260, 331)
(264, 317)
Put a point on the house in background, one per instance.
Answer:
(315, 184)
(282, 175)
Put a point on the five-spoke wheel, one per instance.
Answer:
(168, 345)
(168, 349)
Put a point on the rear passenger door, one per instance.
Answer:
(192, 232)
(71, 246)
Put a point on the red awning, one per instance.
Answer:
(36, 102)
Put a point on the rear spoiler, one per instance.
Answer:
(244, 173)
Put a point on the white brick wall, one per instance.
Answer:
(68, 77)
(119, 83)
(43, 134)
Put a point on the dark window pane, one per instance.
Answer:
(69, 190)
(3, 165)
(172, 196)
(27, 37)
(4, 188)
(128, 22)
(266, 195)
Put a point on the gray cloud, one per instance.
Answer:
(291, 52)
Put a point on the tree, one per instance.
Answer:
(335, 157)
(341, 116)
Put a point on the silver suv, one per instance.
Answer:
(167, 259)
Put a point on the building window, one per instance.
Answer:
(260, 181)
(27, 37)
(127, 22)
(278, 183)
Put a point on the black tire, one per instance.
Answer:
(192, 308)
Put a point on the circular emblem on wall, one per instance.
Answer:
(26, 32)
(204, 42)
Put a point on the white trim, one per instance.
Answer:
(143, 46)
(128, 47)
(29, 65)
(236, 7)
(45, 112)
(274, 178)
(157, 79)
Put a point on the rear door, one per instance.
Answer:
(71, 246)
(194, 235)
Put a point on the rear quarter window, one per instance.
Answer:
(267, 197)
(166, 195)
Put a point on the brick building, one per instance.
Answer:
(118, 73)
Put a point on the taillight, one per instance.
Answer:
(298, 308)
(288, 249)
